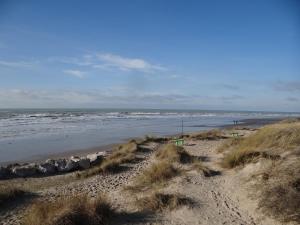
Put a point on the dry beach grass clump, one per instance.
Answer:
(125, 153)
(173, 153)
(270, 141)
(156, 175)
(158, 201)
(71, 211)
(207, 135)
(276, 151)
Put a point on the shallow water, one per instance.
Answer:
(29, 134)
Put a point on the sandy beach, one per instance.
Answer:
(220, 197)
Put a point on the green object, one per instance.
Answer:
(234, 134)
(179, 142)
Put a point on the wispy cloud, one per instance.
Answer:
(75, 73)
(290, 86)
(109, 61)
(17, 64)
(127, 64)
(292, 99)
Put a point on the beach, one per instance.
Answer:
(219, 196)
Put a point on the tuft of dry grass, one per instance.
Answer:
(198, 166)
(229, 144)
(290, 120)
(280, 195)
(71, 211)
(173, 153)
(278, 188)
(9, 193)
(270, 141)
(149, 138)
(157, 174)
(207, 135)
(160, 201)
(125, 153)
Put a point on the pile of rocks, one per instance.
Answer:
(51, 166)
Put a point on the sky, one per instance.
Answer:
(226, 55)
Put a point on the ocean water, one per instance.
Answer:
(31, 134)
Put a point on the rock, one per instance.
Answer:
(10, 166)
(60, 165)
(96, 158)
(5, 172)
(51, 161)
(84, 163)
(47, 167)
(71, 166)
(25, 171)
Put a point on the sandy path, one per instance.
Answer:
(213, 200)
(216, 205)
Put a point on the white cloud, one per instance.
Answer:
(17, 64)
(75, 73)
(109, 61)
(123, 63)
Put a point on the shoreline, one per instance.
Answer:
(252, 123)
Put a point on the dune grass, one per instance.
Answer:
(229, 144)
(71, 211)
(125, 153)
(207, 135)
(156, 175)
(173, 153)
(158, 201)
(178, 154)
(280, 196)
(270, 141)
(278, 189)
(9, 193)
(149, 138)
(198, 166)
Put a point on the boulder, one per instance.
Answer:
(84, 163)
(60, 165)
(51, 161)
(47, 168)
(25, 171)
(96, 158)
(5, 172)
(71, 165)
(67, 165)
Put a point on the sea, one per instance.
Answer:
(27, 134)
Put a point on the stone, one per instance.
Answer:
(71, 166)
(5, 172)
(47, 168)
(25, 171)
(60, 165)
(84, 163)
(96, 158)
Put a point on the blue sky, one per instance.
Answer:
(231, 55)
